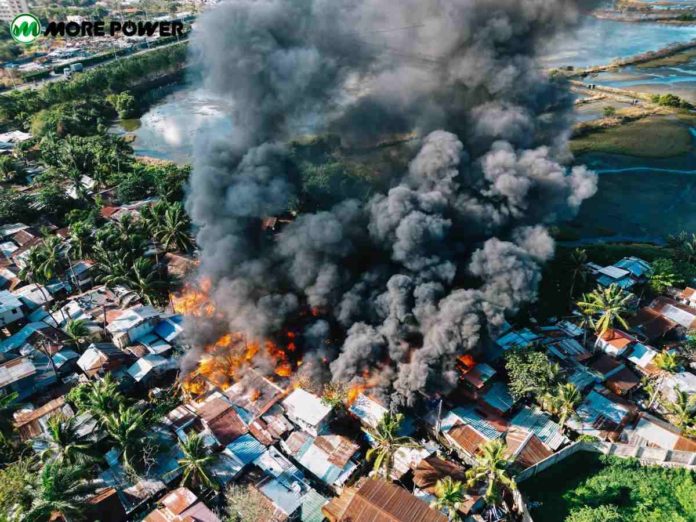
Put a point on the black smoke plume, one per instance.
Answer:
(416, 275)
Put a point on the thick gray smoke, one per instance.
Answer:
(413, 277)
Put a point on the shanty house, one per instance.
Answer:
(131, 324)
(286, 488)
(10, 308)
(101, 358)
(373, 500)
(601, 415)
(330, 458)
(181, 505)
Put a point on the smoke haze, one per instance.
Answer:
(413, 277)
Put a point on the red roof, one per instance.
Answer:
(467, 438)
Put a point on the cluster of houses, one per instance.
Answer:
(296, 451)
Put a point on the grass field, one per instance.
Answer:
(670, 61)
(651, 137)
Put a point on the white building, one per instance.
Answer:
(10, 308)
(11, 8)
(133, 323)
(307, 411)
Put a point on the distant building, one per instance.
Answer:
(11, 8)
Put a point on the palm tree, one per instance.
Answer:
(173, 231)
(562, 402)
(449, 495)
(59, 488)
(77, 330)
(667, 361)
(606, 306)
(491, 470)
(43, 264)
(386, 443)
(145, 280)
(64, 444)
(684, 246)
(682, 409)
(100, 397)
(195, 463)
(578, 260)
(126, 428)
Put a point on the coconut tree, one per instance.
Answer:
(99, 397)
(682, 409)
(58, 489)
(195, 463)
(606, 307)
(64, 444)
(449, 496)
(78, 331)
(491, 470)
(386, 443)
(126, 429)
(174, 230)
(578, 261)
(562, 402)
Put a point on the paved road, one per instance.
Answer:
(60, 77)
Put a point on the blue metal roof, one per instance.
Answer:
(467, 415)
(498, 396)
(635, 265)
(541, 425)
(246, 448)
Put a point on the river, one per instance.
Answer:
(637, 198)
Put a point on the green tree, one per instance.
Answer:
(15, 479)
(195, 463)
(124, 103)
(99, 397)
(126, 428)
(607, 307)
(609, 111)
(562, 402)
(491, 470)
(8, 405)
(668, 362)
(77, 331)
(449, 497)
(663, 275)
(386, 443)
(531, 373)
(172, 228)
(64, 444)
(60, 488)
(595, 514)
(143, 278)
(682, 410)
(334, 394)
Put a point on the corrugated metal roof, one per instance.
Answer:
(310, 511)
(541, 425)
(245, 449)
(498, 396)
(635, 265)
(467, 415)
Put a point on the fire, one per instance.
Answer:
(467, 360)
(354, 391)
(369, 380)
(195, 299)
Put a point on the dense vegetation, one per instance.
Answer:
(591, 488)
(19, 107)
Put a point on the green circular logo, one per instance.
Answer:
(25, 28)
